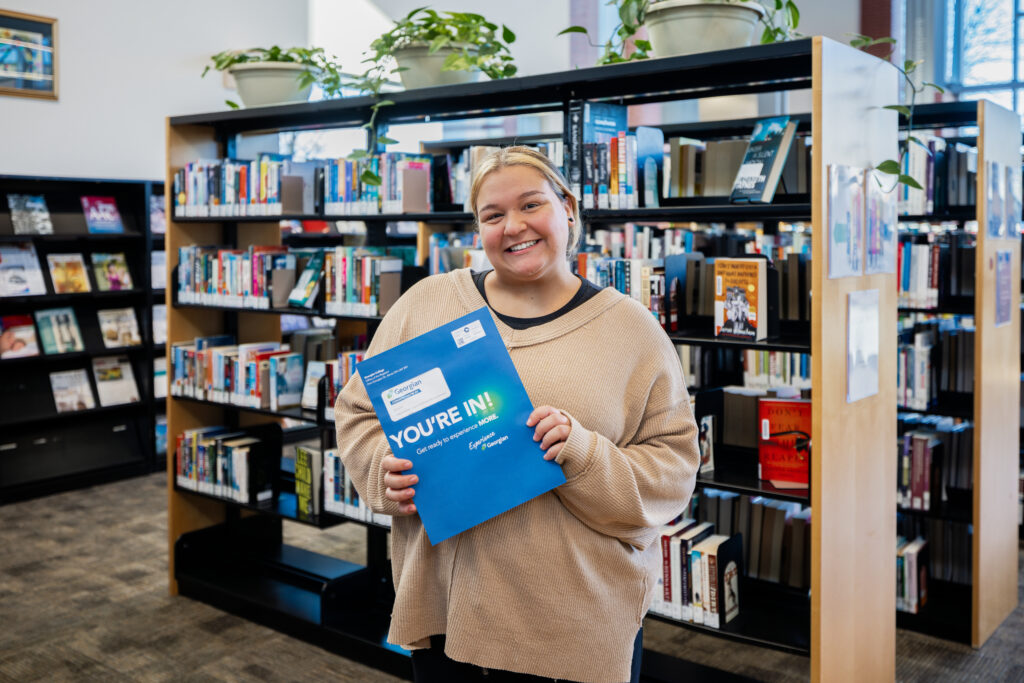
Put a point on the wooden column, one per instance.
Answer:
(853, 467)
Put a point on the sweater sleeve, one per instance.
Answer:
(629, 492)
(361, 441)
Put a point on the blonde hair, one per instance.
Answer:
(519, 155)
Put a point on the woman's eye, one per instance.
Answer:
(532, 205)
(490, 218)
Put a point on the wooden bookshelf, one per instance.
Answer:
(847, 624)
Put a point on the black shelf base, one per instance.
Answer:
(947, 614)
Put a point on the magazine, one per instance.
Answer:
(115, 382)
(20, 274)
(160, 377)
(29, 214)
(160, 323)
(118, 327)
(67, 272)
(111, 271)
(101, 215)
(58, 331)
(71, 391)
(157, 215)
(17, 337)
(158, 269)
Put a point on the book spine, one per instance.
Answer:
(711, 577)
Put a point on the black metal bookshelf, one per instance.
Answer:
(46, 451)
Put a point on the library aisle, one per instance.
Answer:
(116, 621)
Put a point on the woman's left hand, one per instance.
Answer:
(552, 430)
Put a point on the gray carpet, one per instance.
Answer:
(83, 597)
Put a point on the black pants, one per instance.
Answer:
(432, 665)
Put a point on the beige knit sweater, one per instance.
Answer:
(558, 586)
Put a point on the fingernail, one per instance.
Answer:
(415, 479)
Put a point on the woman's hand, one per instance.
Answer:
(398, 484)
(552, 430)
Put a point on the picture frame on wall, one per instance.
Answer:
(28, 55)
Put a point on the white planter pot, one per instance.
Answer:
(423, 69)
(686, 27)
(262, 83)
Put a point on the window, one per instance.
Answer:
(983, 56)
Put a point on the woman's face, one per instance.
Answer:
(523, 224)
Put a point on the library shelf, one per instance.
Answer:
(713, 209)
(947, 614)
(771, 615)
(335, 518)
(73, 298)
(309, 312)
(955, 213)
(55, 358)
(428, 217)
(296, 413)
(751, 486)
(944, 309)
(57, 238)
(136, 406)
(283, 506)
(944, 511)
(694, 338)
(959, 404)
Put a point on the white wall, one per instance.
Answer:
(124, 65)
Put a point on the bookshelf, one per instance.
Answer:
(45, 451)
(843, 623)
(971, 612)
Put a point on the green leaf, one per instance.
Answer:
(370, 178)
(233, 105)
(644, 45)
(507, 35)
(384, 103)
(900, 108)
(859, 42)
(572, 29)
(768, 36)
(918, 142)
(357, 154)
(926, 84)
(792, 14)
(439, 42)
(908, 181)
(385, 140)
(889, 166)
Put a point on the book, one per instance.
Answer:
(158, 269)
(160, 377)
(286, 385)
(764, 160)
(706, 443)
(59, 331)
(67, 273)
(115, 382)
(159, 323)
(29, 214)
(17, 337)
(71, 391)
(118, 327)
(741, 298)
(20, 274)
(306, 289)
(111, 271)
(443, 398)
(157, 215)
(315, 369)
(784, 441)
(101, 214)
(723, 566)
(650, 158)
(309, 479)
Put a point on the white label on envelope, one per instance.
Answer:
(468, 333)
(415, 394)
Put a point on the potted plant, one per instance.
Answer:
(680, 27)
(275, 76)
(443, 48)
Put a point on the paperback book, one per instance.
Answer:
(741, 298)
(71, 391)
(158, 269)
(111, 271)
(67, 272)
(29, 214)
(118, 327)
(101, 215)
(764, 160)
(784, 441)
(17, 337)
(58, 331)
(159, 323)
(160, 377)
(20, 274)
(115, 382)
(444, 398)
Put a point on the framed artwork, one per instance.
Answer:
(28, 55)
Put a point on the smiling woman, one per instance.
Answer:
(555, 587)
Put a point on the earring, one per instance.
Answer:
(570, 219)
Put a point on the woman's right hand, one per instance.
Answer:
(398, 484)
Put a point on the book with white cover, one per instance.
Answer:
(118, 327)
(71, 391)
(20, 274)
(115, 381)
(160, 377)
(29, 214)
(158, 269)
(159, 323)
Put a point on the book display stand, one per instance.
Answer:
(844, 623)
(44, 450)
(970, 612)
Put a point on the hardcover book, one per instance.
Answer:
(784, 443)
(118, 327)
(101, 215)
(29, 214)
(115, 382)
(305, 291)
(443, 399)
(71, 391)
(58, 330)
(741, 298)
(308, 481)
(67, 272)
(764, 160)
(111, 271)
(20, 274)
(286, 380)
(17, 337)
